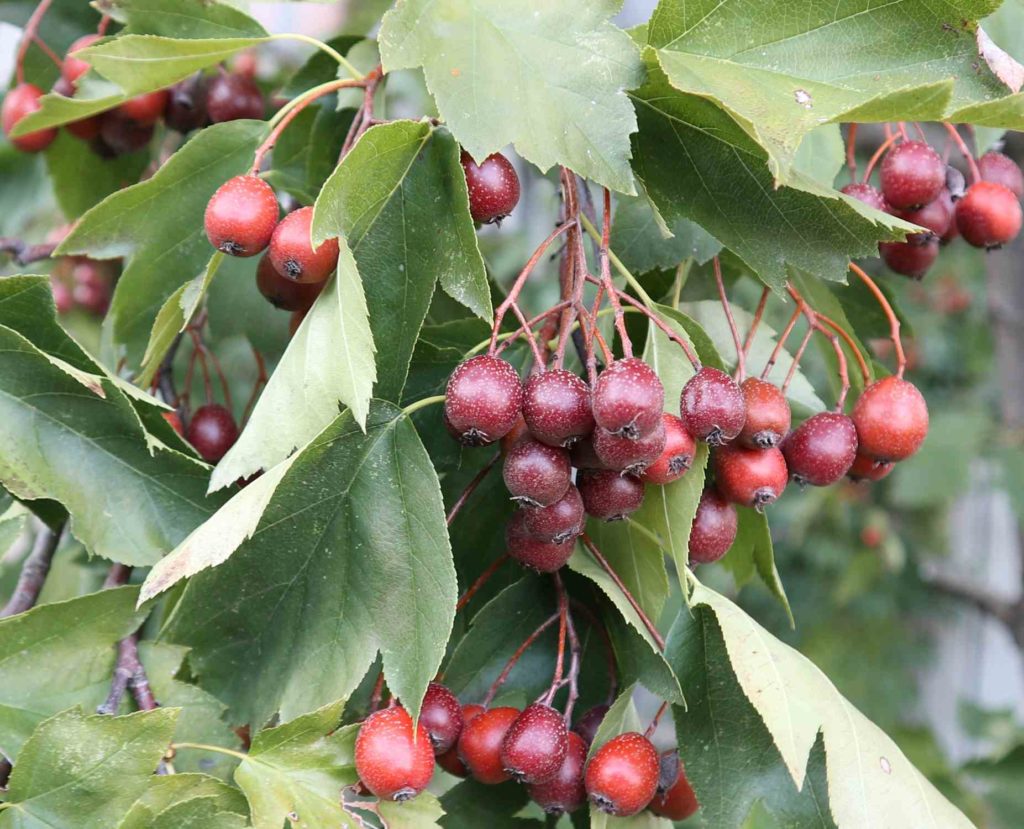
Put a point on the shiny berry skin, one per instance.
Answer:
(609, 495)
(120, 135)
(866, 468)
(988, 216)
(912, 175)
(393, 761)
(514, 435)
(871, 196)
(230, 97)
(72, 67)
(19, 102)
(891, 418)
(583, 455)
(146, 108)
(283, 293)
(912, 258)
(677, 456)
(559, 522)
(768, 415)
(626, 455)
(714, 528)
(587, 725)
(536, 474)
(936, 216)
(450, 761)
(1001, 169)
(493, 187)
(212, 431)
(628, 398)
(535, 744)
(750, 477)
(565, 791)
(675, 799)
(622, 775)
(186, 104)
(441, 716)
(480, 744)
(821, 450)
(241, 216)
(557, 409)
(534, 552)
(291, 249)
(712, 407)
(483, 400)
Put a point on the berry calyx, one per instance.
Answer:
(73, 67)
(186, 104)
(608, 495)
(712, 406)
(283, 293)
(241, 216)
(20, 102)
(912, 175)
(556, 406)
(677, 456)
(291, 249)
(866, 468)
(912, 258)
(714, 528)
(535, 744)
(393, 761)
(750, 477)
(867, 194)
(821, 450)
(483, 400)
(493, 187)
(212, 431)
(587, 725)
(231, 96)
(536, 474)
(622, 775)
(675, 799)
(891, 418)
(541, 554)
(988, 216)
(768, 415)
(144, 109)
(565, 791)
(1001, 169)
(558, 522)
(627, 455)
(450, 761)
(628, 398)
(441, 716)
(480, 744)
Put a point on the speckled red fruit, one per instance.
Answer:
(535, 744)
(493, 187)
(712, 406)
(212, 431)
(450, 761)
(912, 175)
(1001, 169)
(186, 104)
(768, 415)
(891, 418)
(291, 249)
(560, 522)
(541, 554)
(146, 108)
(19, 102)
(587, 725)
(866, 468)
(675, 798)
(480, 744)
(627, 455)
(441, 716)
(622, 775)
(677, 456)
(393, 761)
(583, 455)
(241, 216)
(821, 449)
(283, 293)
(514, 435)
(483, 400)
(750, 477)
(120, 135)
(73, 67)
(565, 791)
(536, 474)
(871, 196)
(61, 296)
(988, 216)
(557, 409)
(628, 398)
(230, 97)
(936, 216)
(91, 289)
(714, 528)
(912, 258)
(609, 495)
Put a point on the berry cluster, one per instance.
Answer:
(80, 282)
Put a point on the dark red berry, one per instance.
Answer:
(565, 791)
(483, 400)
(283, 293)
(557, 409)
(628, 398)
(450, 761)
(587, 725)
(295, 320)
(912, 175)
(291, 249)
(891, 418)
(867, 194)
(560, 522)
(480, 744)
(936, 216)
(622, 775)
(85, 129)
(536, 474)
(230, 97)
(534, 552)
(677, 456)
(714, 528)
(675, 799)
(583, 455)
(1001, 169)
(120, 135)
(186, 104)
(514, 435)
(20, 102)
(712, 406)
(535, 744)
(73, 67)
(61, 296)
(988, 216)
(493, 187)
(821, 450)
(393, 761)
(91, 289)
(750, 477)
(866, 468)
(912, 258)
(212, 431)
(241, 216)
(609, 495)
(768, 415)
(624, 454)
(441, 716)
(146, 108)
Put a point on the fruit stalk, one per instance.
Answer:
(967, 154)
(33, 572)
(741, 368)
(28, 36)
(894, 323)
(533, 637)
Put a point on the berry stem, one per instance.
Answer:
(606, 276)
(741, 368)
(622, 269)
(33, 572)
(894, 323)
(657, 718)
(780, 343)
(323, 47)
(422, 404)
(606, 643)
(575, 656)
(965, 151)
(261, 381)
(481, 580)
(533, 637)
(815, 324)
(528, 333)
(460, 502)
(850, 342)
(509, 338)
(797, 357)
(851, 150)
(28, 36)
(53, 56)
(755, 322)
(563, 624)
(889, 141)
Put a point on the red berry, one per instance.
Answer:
(483, 400)
(936, 216)
(212, 431)
(541, 554)
(622, 776)
(912, 258)
(175, 422)
(609, 495)
(230, 97)
(535, 744)
(393, 761)
(480, 744)
(675, 799)
(283, 293)
(91, 289)
(493, 187)
(556, 406)
(62, 298)
(587, 725)
(624, 454)
(291, 249)
(866, 468)
(988, 216)
(712, 406)
(583, 455)
(751, 477)
(768, 415)
(241, 216)
(677, 456)
(441, 716)
(450, 761)
(513, 436)
(891, 418)
(912, 175)
(565, 791)
(146, 108)
(714, 528)
(186, 104)
(73, 67)
(536, 474)
(295, 320)
(559, 522)
(85, 129)
(120, 135)
(628, 398)
(1001, 169)
(821, 450)
(19, 102)
(867, 194)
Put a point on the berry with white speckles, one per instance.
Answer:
(483, 400)
(559, 522)
(677, 456)
(292, 252)
(393, 761)
(768, 415)
(627, 455)
(867, 194)
(535, 745)
(241, 216)
(821, 450)
(912, 175)
(988, 216)
(675, 799)
(622, 775)
(911, 259)
(544, 555)
(714, 528)
(450, 760)
(750, 477)
(536, 474)
(565, 791)
(480, 744)
(628, 398)
(493, 187)
(441, 715)
(712, 407)
(557, 407)
(609, 495)
(866, 468)
(1001, 169)
(891, 417)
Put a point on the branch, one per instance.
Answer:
(1010, 614)
(23, 253)
(33, 573)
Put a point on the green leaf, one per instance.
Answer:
(577, 116)
(82, 178)
(636, 555)
(821, 154)
(165, 791)
(639, 241)
(752, 551)
(307, 152)
(85, 771)
(197, 813)
(182, 18)
(353, 558)
(421, 812)
(470, 805)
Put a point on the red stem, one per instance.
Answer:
(460, 502)
(894, 323)
(755, 322)
(563, 624)
(481, 580)
(606, 276)
(877, 155)
(533, 637)
(657, 717)
(959, 141)
(741, 368)
(28, 36)
(851, 151)
(780, 343)
(797, 357)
